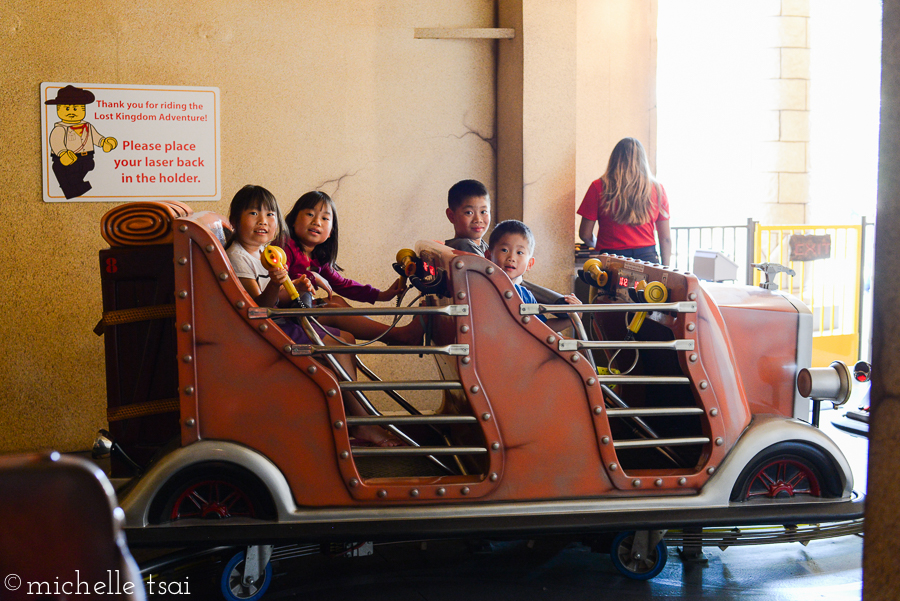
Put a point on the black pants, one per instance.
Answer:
(645, 253)
(71, 177)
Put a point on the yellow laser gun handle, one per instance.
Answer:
(594, 268)
(273, 257)
(407, 259)
(654, 292)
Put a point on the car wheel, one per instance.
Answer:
(787, 470)
(233, 586)
(632, 564)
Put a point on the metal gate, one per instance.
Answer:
(827, 261)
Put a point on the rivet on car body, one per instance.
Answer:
(464, 329)
(312, 369)
(494, 476)
(188, 390)
(486, 417)
(209, 248)
(466, 360)
(182, 294)
(182, 261)
(354, 482)
(714, 412)
(613, 467)
(465, 490)
(182, 228)
(719, 442)
(682, 481)
(604, 440)
(460, 295)
(186, 327)
(693, 357)
(331, 392)
(189, 422)
(704, 385)
(286, 348)
(263, 327)
(691, 327)
(526, 319)
(636, 483)
(551, 339)
(710, 470)
(598, 410)
(441, 492)
(338, 425)
(459, 265)
(240, 304)
(344, 454)
(692, 296)
(576, 358)
(658, 482)
(223, 276)
(591, 381)
(382, 493)
(474, 390)
(414, 492)
(489, 270)
(187, 358)
(508, 294)
(495, 446)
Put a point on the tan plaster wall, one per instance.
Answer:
(332, 95)
(336, 95)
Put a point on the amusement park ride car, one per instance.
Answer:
(686, 408)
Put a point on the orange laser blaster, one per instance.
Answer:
(273, 257)
(594, 268)
(407, 260)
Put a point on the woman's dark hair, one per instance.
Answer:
(255, 197)
(326, 252)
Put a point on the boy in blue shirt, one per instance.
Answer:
(511, 247)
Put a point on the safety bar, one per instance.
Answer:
(643, 379)
(678, 307)
(646, 443)
(402, 385)
(653, 412)
(267, 312)
(415, 451)
(568, 344)
(306, 350)
(416, 420)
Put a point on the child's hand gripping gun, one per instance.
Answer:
(274, 257)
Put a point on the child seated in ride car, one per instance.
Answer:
(511, 247)
(469, 210)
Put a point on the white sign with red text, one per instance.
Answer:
(108, 142)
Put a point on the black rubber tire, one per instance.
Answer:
(820, 466)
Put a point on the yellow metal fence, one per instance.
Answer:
(831, 286)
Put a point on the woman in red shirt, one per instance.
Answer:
(628, 206)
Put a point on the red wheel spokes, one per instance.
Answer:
(783, 478)
(212, 499)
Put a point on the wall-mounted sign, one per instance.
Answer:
(106, 142)
(810, 248)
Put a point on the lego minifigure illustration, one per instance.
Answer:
(73, 139)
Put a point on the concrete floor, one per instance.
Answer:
(828, 570)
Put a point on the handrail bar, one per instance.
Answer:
(306, 350)
(538, 309)
(403, 420)
(652, 411)
(647, 443)
(570, 344)
(267, 312)
(402, 385)
(614, 379)
(415, 451)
